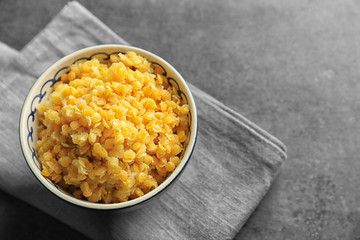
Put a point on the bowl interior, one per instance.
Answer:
(40, 92)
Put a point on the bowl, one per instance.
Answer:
(40, 92)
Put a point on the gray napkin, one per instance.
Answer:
(231, 169)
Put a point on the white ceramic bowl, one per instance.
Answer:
(40, 92)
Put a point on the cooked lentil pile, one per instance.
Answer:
(112, 130)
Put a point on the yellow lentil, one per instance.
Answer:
(111, 130)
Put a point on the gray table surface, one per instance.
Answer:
(292, 67)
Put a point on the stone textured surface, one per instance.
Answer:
(292, 67)
(18, 220)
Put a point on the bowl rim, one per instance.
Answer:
(111, 206)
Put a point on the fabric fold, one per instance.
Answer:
(232, 167)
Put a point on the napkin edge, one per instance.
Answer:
(83, 10)
(264, 135)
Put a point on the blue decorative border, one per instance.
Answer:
(31, 116)
(56, 78)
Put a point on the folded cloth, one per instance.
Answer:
(232, 167)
